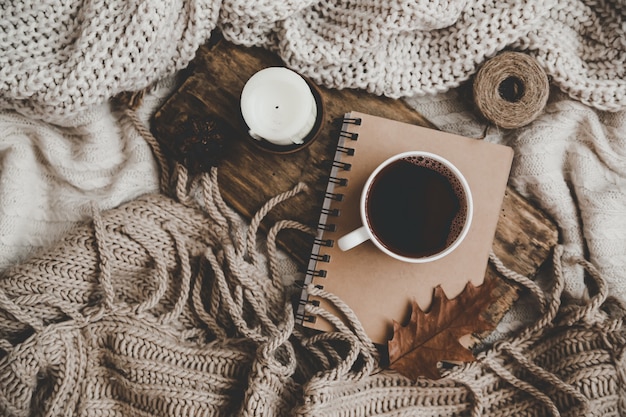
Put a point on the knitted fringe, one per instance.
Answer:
(164, 306)
(571, 362)
(155, 308)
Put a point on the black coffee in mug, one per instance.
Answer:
(416, 207)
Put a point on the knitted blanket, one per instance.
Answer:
(60, 58)
(163, 307)
(105, 319)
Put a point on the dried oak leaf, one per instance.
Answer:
(432, 337)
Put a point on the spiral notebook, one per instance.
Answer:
(375, 286)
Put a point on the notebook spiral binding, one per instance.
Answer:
(315, 268)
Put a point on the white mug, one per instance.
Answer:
(415, 207)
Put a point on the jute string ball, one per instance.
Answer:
(511, 90)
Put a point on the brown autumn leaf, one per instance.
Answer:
(433, 336)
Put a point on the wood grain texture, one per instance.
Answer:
(524, 240)
(249, 176)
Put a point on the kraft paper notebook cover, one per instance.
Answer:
(377, 287)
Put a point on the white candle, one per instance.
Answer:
(278, 106)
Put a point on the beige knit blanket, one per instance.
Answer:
(165, 307)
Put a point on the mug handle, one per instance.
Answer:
(352, 239)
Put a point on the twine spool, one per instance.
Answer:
(511, 90)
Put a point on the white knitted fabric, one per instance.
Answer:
(59, 58)
(51, 177)
(62, 149)
(400, 48)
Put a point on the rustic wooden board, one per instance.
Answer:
(250, 176)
